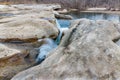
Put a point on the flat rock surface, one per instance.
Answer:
(27, 30)
(27, 23)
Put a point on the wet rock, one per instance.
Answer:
(87, 52)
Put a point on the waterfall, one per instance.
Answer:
(57, 41)
(49, 44)
(45, 49)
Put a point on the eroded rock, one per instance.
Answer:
(20, 28)
(15, 57)
(28, 24)
(27, 30)
(87, 52)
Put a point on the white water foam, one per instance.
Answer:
(45, 49)
(49, 45)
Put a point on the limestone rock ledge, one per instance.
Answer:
(21, 26)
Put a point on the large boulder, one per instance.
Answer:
(27, 30)
(21, 26)
(15, 57)
(88, 51)
(28, 24)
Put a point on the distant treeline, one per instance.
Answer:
(79, 4)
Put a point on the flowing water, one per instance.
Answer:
(49, 45)
(63, 24)
(45, 49)
(57, 41)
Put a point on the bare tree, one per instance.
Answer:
(79, 4)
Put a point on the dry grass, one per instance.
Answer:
(77, 4)
(5, 3)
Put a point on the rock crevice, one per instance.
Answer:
(89, 54)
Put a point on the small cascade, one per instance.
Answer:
(49, 44)
(57, 41)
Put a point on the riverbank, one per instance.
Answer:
(90, 10)
(23, 30)
(107, 12)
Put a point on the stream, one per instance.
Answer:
(45, 49)
(50, 44)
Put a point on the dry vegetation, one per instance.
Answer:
(82, 4)
(17, 1)
(79, 4)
